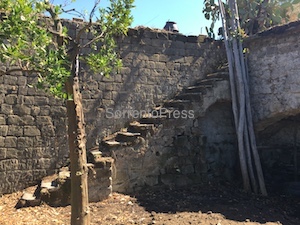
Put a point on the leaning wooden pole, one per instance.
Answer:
(250, 127)
(239, 86)
(235, 99)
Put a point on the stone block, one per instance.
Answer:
(11, 80)
(35, 110)
(44, 120)
(44, 110)
(10, 99)
(2, 150)
(58, 111)
(29, 100)
(47, 130)
(28, 120)
(14, 120)
(3, 130)
(14, 130)
(43, 163)
(24, 142)
(6, 109)
(21, 109)
(11, 152)
(22, 90)
(30, 131)
(41, 100)
(2, 120)
(22, 81)
(9, 164)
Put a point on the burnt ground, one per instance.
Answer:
(206, 205)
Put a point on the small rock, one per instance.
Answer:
(130, 203)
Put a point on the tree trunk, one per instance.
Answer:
(80, 214)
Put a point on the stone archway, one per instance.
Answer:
(221, 156)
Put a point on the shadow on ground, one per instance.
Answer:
(228, 200)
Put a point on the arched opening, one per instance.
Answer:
(221, 156)
(279, 148)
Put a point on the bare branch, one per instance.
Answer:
(97, 2)
(74, 12)
(89, 24)
(94, 40)
(59, 34)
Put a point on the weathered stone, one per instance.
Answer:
(22, 90)
(21, 110)
(11, 151)
(40, 100)
(9, 79)
(8, 164)
(2, 150)
(22, 81)
(31, 131)
(14, 120)
(28, 120)
(10, 99)
(35, 110)
(24, 142)
(14, 130)
(29, 100)
(2, 120)
(6, 109)
(44, 110)
(3, 130)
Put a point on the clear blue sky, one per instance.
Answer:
(155, 13)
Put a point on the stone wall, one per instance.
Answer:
(182, 151)
(274, 63)
(156, 66)
(32, 133)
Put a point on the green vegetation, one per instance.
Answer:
(33, 43)
(254, 15)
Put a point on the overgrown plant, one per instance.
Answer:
(254, 15)
(32, 43)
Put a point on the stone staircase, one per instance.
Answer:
(103, 159)
(134, 139)
(147, 125)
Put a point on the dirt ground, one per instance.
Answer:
(206, 205)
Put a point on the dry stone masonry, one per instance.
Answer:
(160, 70)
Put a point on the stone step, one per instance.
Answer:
(177, 104)
(110, 137)
(94, 155)
(209, 81)
(220, 74)
(190, 96)
(126, 136)
(113, 143)
(153, 119)
(143, 129)
(30, 198)
(223, 68)
(198, 88)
